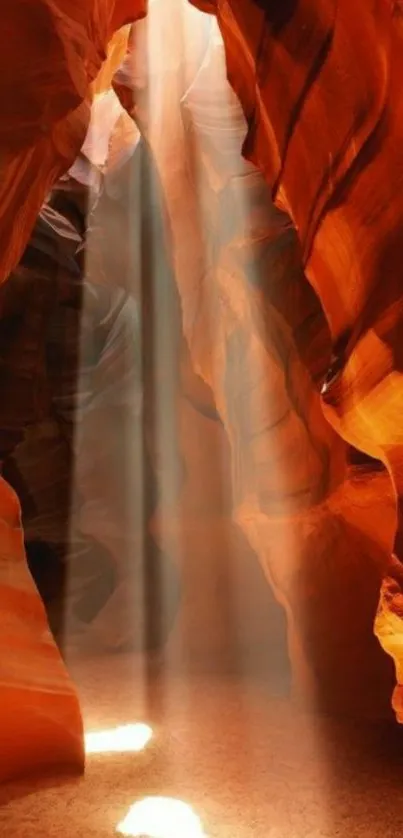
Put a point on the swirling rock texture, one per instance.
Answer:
(42, 136)
(51, 55)
(324, 115)
(249, 317)
(322, 531)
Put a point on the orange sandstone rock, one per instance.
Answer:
(259, 340)
(320, 85)
(40, 724)
(51, 53)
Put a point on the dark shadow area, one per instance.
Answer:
(71, 362)
(58, 778)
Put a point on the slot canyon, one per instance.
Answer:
(201, 432)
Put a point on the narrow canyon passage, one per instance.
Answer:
(205, 551)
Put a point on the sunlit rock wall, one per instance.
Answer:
(249, 317)
(325, 121)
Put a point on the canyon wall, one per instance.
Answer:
(249, 318)
(283, 329)
(51, 56)
(324, 118)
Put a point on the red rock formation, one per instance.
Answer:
(40, 724)
(246, 312)
(293, 495)
(325, 125)
(51, 53)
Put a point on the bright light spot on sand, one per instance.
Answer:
(118, 739)
(161, 817)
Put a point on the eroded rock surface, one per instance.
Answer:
(51, 54)
(46, 108)
(324, 116)
(41, 725)
(249, 317)
(252, 365)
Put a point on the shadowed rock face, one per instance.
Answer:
(72, 350)
(41, 137)
(45, 112)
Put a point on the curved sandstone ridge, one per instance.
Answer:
(40, 715)
(325, 125)
(51, 54)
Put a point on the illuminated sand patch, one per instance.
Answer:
(161, 817)
(128, 738)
